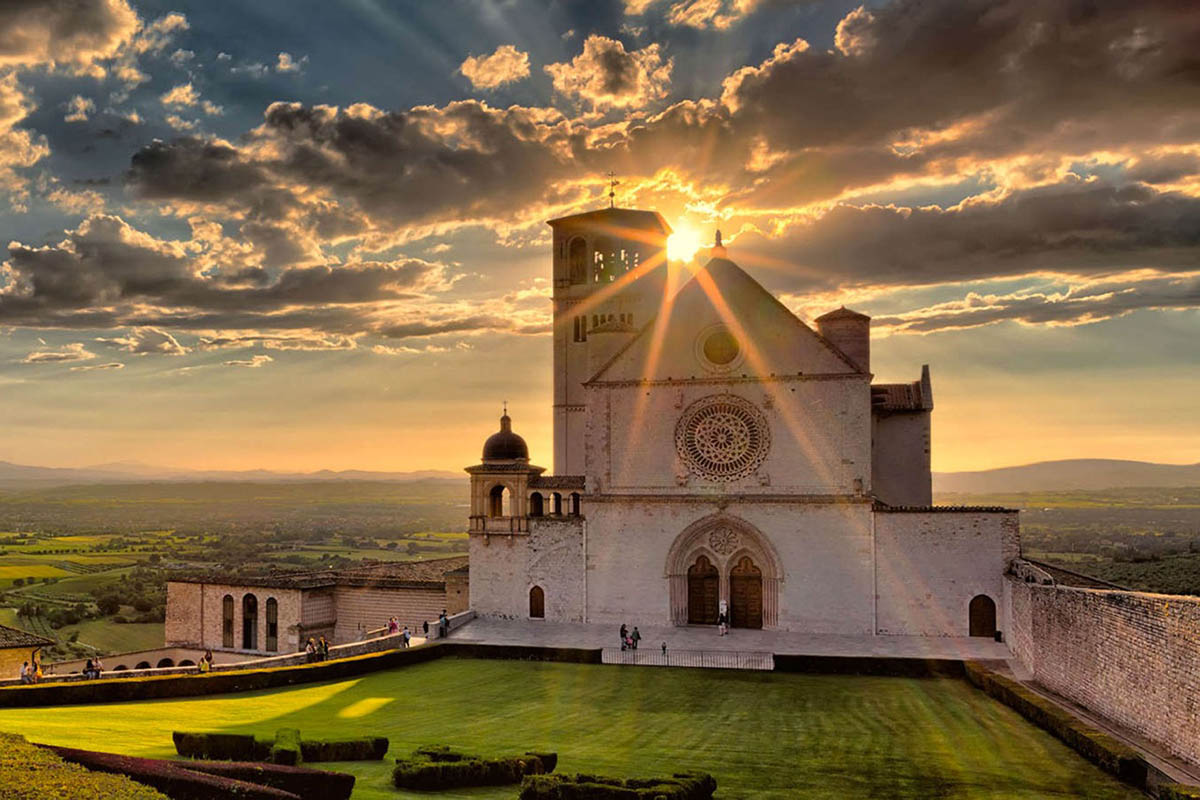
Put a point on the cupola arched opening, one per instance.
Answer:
(537, 506)
(499, 501)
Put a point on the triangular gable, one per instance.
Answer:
(771, 339)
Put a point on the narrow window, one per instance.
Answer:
(272, 624)
(227, 621)
(249, 622)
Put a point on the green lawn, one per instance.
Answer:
(109, 637)
(762, 735)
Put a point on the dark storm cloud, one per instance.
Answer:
(69, 32)
(1077, 227)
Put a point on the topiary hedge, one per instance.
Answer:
(308, 784)
(245, 747)
(28, 772)
(595, 787)
(286, 749)
(368, 748)
(1178, 791)
(425, 774)
(172, 778)
(1101, 749)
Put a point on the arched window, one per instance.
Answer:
(603, 267)
(500, 501)
(249, 622)
(536, 505)
(577, 260)
(120, 668)
(187, 662)
(143, 665)
(272, 624)
(164, 662)
(982, 614)
(227, 621)
(537, 603)
(574, 504)
(556, 506)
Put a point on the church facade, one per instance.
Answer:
(714, 454)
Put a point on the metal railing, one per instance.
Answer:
(708, 659)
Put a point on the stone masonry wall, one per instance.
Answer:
(361, 608)
(1132, 657)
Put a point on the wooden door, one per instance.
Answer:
(537, 603)
(703, 587)
(983, 616)
(745, 595)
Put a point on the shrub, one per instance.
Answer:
(594, 787)
(1178, 791)
(286, 749)
(1099, 748)
(426, 775)
(441, 752)
(221, 746)
(171, 778)
(309, 784)
(370, 748)
(33, 773)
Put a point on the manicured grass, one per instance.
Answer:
(762, 735)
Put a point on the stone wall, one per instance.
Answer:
(930, 564)
(900, 463)
(1132, 657)
(505, 568)
(195, 616)
(362, 608)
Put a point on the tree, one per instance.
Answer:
(18, 581)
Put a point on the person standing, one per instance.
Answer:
(425, 628)
(635, 637)
(322, 649)
(26, 675)
(393, 626)
(444, 625)
(624, 635)
(310, 651)
(405, 636)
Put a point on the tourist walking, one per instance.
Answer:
(722, 624)
(624, 636)
(635, 637)
(405, 637)
(444, 625)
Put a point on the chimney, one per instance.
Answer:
(849, 332)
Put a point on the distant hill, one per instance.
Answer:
(1076, 473)
(24, 476)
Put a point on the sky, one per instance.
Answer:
(305, 235)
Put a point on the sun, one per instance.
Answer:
(683, 244)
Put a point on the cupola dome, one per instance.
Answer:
(504, 445)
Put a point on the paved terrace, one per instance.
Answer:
(695, 637)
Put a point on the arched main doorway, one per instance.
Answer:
(537, 603)
(983, 616)
(745, 594)
(704, 585)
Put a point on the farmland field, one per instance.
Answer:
(762, 735)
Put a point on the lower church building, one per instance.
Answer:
(713, 453)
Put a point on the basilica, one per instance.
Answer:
(713, 454)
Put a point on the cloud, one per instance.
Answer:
(606, 76)
(506, 65)
(293, 341)
(1077, 305)
(67, 353)
(143, 341)
(254, 362)
(90, 367)
(718, 14)
(19, 148)
(70, 34)
(78, 108)
(182, 95)
(285, 63)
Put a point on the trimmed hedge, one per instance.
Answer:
(172, 778)
(870, 665)
(426, 775)
(441, 752)
(308, 784)
(1178, 791)
(368, 748)
(594, 787)
(1101, 749)
(286, 749)
(245, 747)
(221, 746)
(28, 772)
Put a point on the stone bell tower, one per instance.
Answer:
(610, 272)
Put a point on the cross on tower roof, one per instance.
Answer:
(613, 183)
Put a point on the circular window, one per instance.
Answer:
(720, 347)
(722, 438)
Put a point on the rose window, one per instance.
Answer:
(722, 438)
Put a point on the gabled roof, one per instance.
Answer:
(775, 342)
(915, 396)
(617, 217)
(841, 313)
(15, 637)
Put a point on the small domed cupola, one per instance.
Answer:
(504, 445)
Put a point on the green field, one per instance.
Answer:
(109, 637)
(762, 735)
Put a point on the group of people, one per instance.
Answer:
(393, 628)
(93, 668)
(630, 639)
(31, 673)
(316, 651)
(206, 663)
